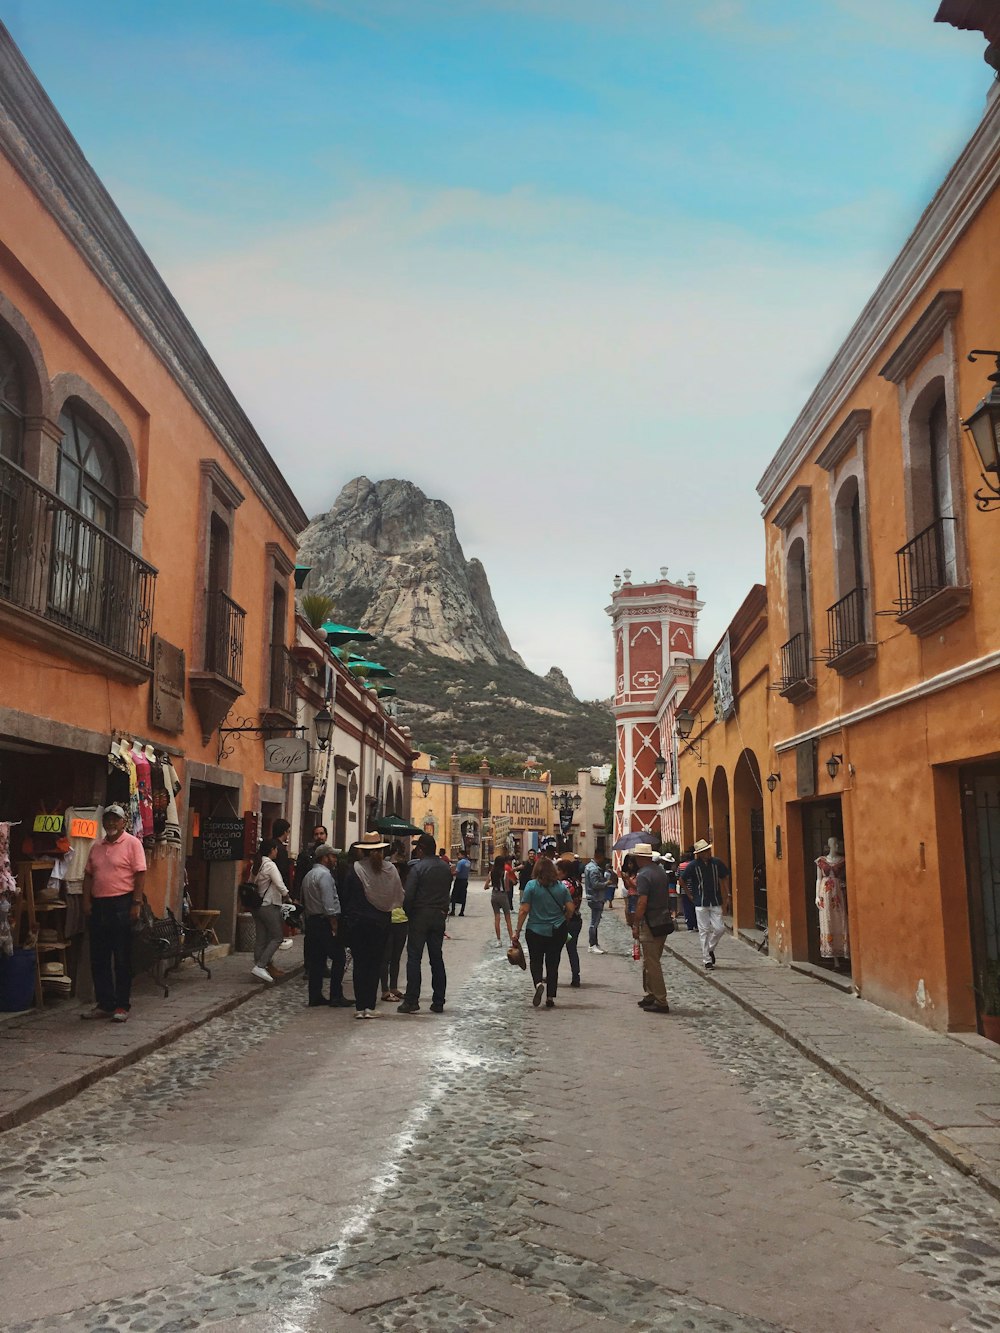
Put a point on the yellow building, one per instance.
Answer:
(480, 814)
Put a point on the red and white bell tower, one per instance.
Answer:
(655, 627)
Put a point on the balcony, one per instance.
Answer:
(61, 574)
(849, 650)
(281, 691)
(929, 594)
(796, 684)
(216, 688)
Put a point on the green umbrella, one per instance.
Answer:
(336, 634)
(371, 668)
(394, 827)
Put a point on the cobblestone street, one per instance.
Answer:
(497, 1167)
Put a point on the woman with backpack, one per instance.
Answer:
(267, 917)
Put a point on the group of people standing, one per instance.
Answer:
(373, 905)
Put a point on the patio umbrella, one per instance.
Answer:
(371, 668)
(394, 827)
(629, 840)
(337, 634)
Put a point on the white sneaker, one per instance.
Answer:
(285, 944)
(361, 1013)
(499, 944)
(371, 1013)
(596, 949)
(262, 974)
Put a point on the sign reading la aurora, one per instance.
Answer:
(520, 805)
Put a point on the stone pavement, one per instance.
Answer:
(591, 1167)
(48, 1055)
(944, 1088)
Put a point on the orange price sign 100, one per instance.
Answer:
(83, 828)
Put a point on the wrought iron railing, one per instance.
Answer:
(794, 661)
(224, 636)
(282, 693)
(59, 564)
(845, 622)
(925, 565)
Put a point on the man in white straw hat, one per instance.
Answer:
(706, 883)
(651, 924)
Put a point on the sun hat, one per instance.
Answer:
(702, 845)
(668, 856)
(643, 849)
(515, 955)
(371, 842)
(566, 856)
(114, 810)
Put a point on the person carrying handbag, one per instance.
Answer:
(270, 925)
(546, 906)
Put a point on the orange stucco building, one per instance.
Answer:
(147, 538)
(885, 626)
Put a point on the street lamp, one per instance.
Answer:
(661, 766)
(833, 763)
(772, 780)
(425, 787)
(984, 431)
(684, 721)
(323, 725)
(566, 800)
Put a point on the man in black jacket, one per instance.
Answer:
(427, 896)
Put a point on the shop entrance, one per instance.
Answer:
(821, 822)
(211, 883)
(980, 787)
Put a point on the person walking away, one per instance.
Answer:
(113, 881)
(460, 889)
(510, 880)
(706, 881)
(394, 946)
(595, 886)
(571, 874)
(371, 891)
(498, 898)
(321, 908)
(428, 889)
(269, 883)
(546, 906)
(652, 924)
(307, 857)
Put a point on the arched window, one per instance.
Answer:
(11, 406)
(88, 474)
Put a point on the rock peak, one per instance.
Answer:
(390, 559)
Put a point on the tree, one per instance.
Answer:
(610, 792)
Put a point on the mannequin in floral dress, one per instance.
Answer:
(831, 900)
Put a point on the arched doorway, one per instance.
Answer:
(702, 815)
(687, 820)
(720, 816)
(749, 855)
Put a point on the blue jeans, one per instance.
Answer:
(575, 926)
(596, 911)
(111, 951)
(425, 927)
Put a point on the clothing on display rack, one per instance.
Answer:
(144, 791)
(831, 902)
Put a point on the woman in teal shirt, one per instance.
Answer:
(547, 907)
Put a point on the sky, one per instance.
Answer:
(572, 266)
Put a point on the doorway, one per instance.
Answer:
(821, 821)
(980, 787)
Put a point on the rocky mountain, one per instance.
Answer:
(390, 560)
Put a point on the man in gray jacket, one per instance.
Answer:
(595, 886)
(427, 896)
(321, 908)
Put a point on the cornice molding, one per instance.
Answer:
(925, 332)
(221, 483)
(965, 189)
(857, 423)
(47, 157)
(792, 508)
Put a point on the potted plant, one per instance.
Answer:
(988, 991)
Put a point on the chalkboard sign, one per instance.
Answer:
(222, 839)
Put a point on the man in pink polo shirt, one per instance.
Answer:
(112, 896)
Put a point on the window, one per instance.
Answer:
(797, 648)
(88, 475)
(11, 407)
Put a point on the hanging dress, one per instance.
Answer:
(831, 900)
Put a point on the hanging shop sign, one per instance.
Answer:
(286, 754)
(565, 821)
(722, 683)
(222, 839)
(166, 699)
